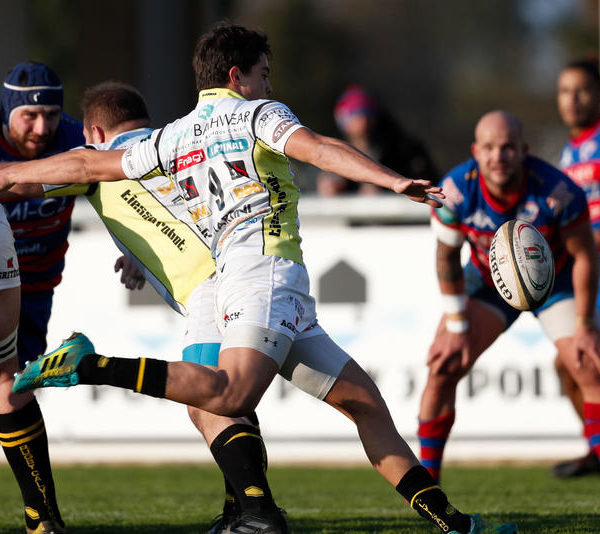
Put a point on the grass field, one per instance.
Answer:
(182, 499)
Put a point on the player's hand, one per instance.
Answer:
(419, 191)
(587, 343)
(131, 276)
(449, 352)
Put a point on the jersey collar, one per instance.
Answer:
(511, 199)
(219, 92)
(586, 134)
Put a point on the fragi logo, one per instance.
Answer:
(187, 160)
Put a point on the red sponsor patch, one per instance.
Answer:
(188, 160)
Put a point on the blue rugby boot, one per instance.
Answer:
(479, 525)
(56, 369)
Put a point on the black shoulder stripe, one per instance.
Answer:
(256, 113)
(91, 189)
(90, 147)
(156, 143)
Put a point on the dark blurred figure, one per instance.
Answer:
(365, 124)
(578, 100)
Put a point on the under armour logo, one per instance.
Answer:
(267, 340)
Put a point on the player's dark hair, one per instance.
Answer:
(589, 66)
(225, 46)
(112, 103)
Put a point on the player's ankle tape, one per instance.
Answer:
(151, 377)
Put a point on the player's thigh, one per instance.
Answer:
(249, 372)
(10, 300)
(558, 322)
(486, 323)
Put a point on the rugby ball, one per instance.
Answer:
(521, 265)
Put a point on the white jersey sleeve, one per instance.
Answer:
(141, 160)
(274, 123)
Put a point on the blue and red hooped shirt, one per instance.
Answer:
(41, 226)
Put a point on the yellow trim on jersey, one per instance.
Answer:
(66, 190)
(140, 377)
(281, 236)
(218, 92)
(166, 246)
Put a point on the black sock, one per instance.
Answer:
(23, 438)
(423, 494)
(239, 451)
(142, 375)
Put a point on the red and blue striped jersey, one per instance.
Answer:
(41, 226)
(548, 199)
(580, 160)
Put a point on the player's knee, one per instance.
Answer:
(239, 404)
(355, 393)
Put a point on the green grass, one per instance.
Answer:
(183, 499)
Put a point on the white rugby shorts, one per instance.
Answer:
(9, 266)
(255, 293)
(312, 361)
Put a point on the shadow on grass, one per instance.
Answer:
(528, 523)
(558, 524)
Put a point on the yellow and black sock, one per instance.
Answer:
(239, 451)
(23, 438)
(142, 375)
(423, 494)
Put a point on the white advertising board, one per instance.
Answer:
(512, 395)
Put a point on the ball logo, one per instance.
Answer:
(534, 253)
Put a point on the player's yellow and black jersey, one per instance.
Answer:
(227, 160)
(150, 223)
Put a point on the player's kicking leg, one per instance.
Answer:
(353, 393)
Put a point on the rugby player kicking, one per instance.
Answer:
(240, 192)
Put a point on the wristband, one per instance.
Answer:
(452, 304)
(457, 327)
(583, 320)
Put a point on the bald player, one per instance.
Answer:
(499, 183)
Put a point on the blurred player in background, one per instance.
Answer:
(367, 126)
(579, 108)
(501, 183)
(34, 126)
(245, 206)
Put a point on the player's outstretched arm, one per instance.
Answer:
(73, 167)
(332, 155)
